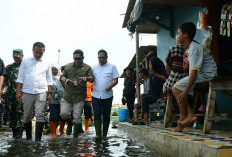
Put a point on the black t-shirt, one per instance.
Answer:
(129, 86)
(2, 68)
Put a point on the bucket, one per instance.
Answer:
(122, 115)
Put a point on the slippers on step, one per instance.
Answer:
(142, 123)
(135, 123)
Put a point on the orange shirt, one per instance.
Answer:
(89, 91)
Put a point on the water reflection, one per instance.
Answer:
(117, 144)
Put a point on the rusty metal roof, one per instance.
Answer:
(143, 50)
(151, 28)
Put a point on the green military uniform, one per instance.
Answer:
(15, 107)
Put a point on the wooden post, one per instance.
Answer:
(168, 115)
(137, 68)
(209, 109)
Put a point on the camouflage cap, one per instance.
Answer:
(17, 52)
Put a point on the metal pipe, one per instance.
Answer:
(137, 67)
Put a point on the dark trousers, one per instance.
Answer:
(102, 107)
(88, 109)
(130, 100)
(54, 112)
(147, 100)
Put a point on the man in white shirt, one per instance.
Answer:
(35, 81)
(106, 77)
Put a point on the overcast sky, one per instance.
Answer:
(68, 25)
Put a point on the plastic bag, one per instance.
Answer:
(203, 19)
(123, 101)
(208, 33)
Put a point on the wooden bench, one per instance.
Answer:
(157, 109)
(212, 85)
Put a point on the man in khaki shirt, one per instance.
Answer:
(75, 76)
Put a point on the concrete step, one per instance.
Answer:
(189, 143)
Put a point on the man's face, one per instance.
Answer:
(141, 75)
(38, 52)
(54, 71)
(78, 59)
(128, 72)
(181, 37)
(102, 59)
(18, 60)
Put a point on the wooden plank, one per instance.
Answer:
(195, 100)
(222, 116)
(227, 94)
(167, 115)
(221, 84)
(209, 110)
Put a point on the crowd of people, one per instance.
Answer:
(35, 87)
(187, 63)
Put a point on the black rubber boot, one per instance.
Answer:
(28, 128)
(105, 128)
(14, 132)
(39, 130)
(19, 133)
(69, 127)
(98, 128)
(76, 130)
(82, 131)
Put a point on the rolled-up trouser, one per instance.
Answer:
(102, 107)
(34, 103)
(88, 109)
(66, 110)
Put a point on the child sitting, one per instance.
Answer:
(202, 67)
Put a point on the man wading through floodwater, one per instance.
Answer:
(35, 79)
(75, 76)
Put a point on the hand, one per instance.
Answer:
(151, 72)
(183, 98)
(18, 96)
(108, 88)
(1, 94)
(49, 98)
(46, 107)
(67, 80)
(83, 79)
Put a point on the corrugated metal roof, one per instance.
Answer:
(143, 50)
(147, 27)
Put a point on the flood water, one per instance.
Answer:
(117, 144)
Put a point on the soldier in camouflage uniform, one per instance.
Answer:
(15, 108)
(2, 73)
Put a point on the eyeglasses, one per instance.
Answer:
(101, 57)
(77, 59)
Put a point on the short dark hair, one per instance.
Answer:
(78, 51)
(188, 28)
(144, 71)
(103, 51)
(39, 45)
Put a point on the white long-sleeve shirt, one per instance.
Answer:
(34, 75)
